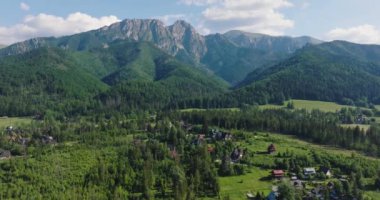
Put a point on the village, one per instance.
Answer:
(235, 154)
(314, 182)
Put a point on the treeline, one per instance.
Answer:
(315, 126)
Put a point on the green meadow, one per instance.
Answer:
(14, 121)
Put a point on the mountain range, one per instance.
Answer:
(146, 64)
(231, 55)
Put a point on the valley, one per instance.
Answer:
(143, 110)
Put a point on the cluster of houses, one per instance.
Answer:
(315, 193)
(220, 135)
(18, 136)
(307, 172)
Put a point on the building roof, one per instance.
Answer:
(278, 172)
(325, 169)
(309, 169)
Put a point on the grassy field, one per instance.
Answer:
(201, 109)
(365, 127)
(372, 195)
(311, 105)
(298, 104)
(14, 121)
(236, 187)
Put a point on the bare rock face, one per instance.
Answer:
(180, 37)
(25, 46)
(188, 38)
(149, 30)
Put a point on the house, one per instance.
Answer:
(200, 139)
(361, 119)
(309, 171)
(220, 135)
(237, 154)
(5, 154)
(326, 171)
(9, 129)
(271, 149)
(46, 139)
(250, 196)
(278, 173)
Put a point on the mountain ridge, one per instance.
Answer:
(336, 71)
(180, 40)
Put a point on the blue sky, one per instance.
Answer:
(353, 20)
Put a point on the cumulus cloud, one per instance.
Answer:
(364, 34)
(262, 16)
(43, 25)
(24, 6)
(170, 19)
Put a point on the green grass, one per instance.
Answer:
(237, 187)
(310, 105)
(14, 121)
(372, 195)
(365, 127)
(298, 104)
(322, 105)
(201, 109)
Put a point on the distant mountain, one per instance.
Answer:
(231, 56)
(235, 54)
(335, 71)
(280, 44)
(2, 46)
(179, 39)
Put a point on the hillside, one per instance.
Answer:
(337, 71)
(146, 77)
(136, 73)
(44, 78)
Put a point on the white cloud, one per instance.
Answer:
(198, 2)
(262, 16)
(364, 34)
(170, 19)
(24, 6)
(43, 25)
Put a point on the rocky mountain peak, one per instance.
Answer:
(188, 38)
